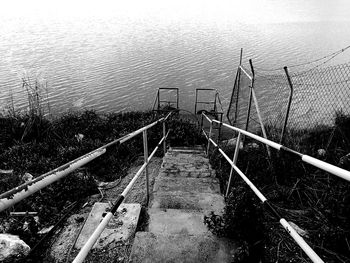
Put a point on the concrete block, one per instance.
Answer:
(119, 229)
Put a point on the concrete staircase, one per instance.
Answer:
(184, 191)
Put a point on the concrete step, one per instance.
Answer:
(185, 157)
(190, 185)
(183, 160)
(176, 221)
(197, 150)
(174, 167)
(205, 202)
(152, 248)
(191, 174)
(195, 147)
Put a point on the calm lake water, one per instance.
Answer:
(116, 62)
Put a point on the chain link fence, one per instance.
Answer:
(318, 94)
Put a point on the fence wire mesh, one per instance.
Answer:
(319, 94)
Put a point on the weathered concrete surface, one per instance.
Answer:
(176, 221)
(155, 248)
(184, 173)
(184, 191)
(193, 149)
(205, 202)
(181, 158)
(188, 185)
(120, 228)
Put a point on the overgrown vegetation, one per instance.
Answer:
(47, 144)
(317, 203)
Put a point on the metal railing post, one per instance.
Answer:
(249, 106)
(177, 98)
(220, 126)
(209, 136)
(257, 107)
(239, 73)
(238, 79)
(145, 150)
(164, 134)
(195, 104)
(289, 103)
(201, 125)
(158, 96)
(234, 160)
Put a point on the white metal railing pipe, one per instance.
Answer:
(326, 167)
(157, 147)
(206, 136)
(300, 241)
(246, 72)
(22, 191)
(290, 230)
(234, 161)
(260, 119)
(93, 238)
(168, 115)
(135, 133)
(209, 136)
(164, 133)
(96, 234)
(256, 137)
(245, 178)
(208, 119)
(145, 155)
(342, 173)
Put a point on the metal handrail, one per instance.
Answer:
(157, 100)
(308, 159)
(342, 173)
(215, 102)
(22, 191)
(96, 234)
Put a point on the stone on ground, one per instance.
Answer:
(12, 248)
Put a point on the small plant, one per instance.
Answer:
(242, 220)
(34, 117)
